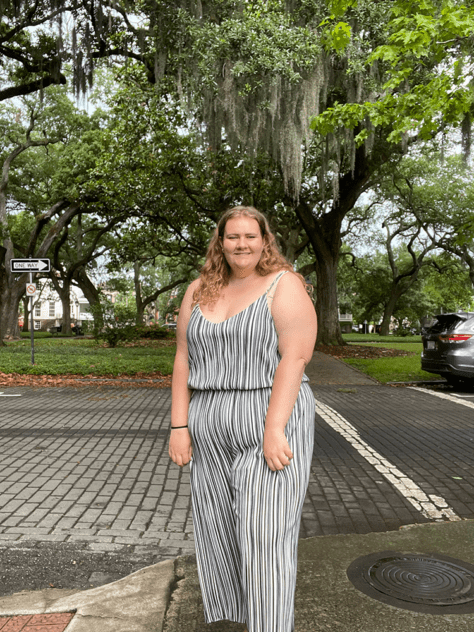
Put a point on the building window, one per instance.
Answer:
(38, 309)
(37, 324)
(52, 309)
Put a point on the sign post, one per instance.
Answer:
(32, 323)
(30, 265)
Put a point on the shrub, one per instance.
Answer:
(113, 335)
(155, 332)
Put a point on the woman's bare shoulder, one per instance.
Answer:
(185, 314)
(289, 287)
(194, 285)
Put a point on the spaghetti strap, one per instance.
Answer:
(274, 286)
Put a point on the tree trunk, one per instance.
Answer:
(12, 290)
(467, 258)
(65, 297)
(397, 290)
(64, 292)
(329, 330)
(324, 233)
(388, 311)
(10, 307)
(3, 280)
(138, 294)
(92, 295)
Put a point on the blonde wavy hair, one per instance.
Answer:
(216, 272)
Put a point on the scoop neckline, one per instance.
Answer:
(243, 310)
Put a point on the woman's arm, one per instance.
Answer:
(180, 393)
(296, 325)
(180, 449)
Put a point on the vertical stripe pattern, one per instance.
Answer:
(246, 517)
(238, 353)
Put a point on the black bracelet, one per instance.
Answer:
(177, 427)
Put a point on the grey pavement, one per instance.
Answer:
(87, 471)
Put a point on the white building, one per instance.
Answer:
(48, 309)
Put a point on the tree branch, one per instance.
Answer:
(33, 86)
(154, 296)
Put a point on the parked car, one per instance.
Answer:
(448, 347)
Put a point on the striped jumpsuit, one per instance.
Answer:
(246, 517)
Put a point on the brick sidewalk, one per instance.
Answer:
(91, 467)
(36, 622)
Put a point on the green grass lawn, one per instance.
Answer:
(79, 356)
(396, 369)
(58, 356)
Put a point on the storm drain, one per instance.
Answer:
(433, 584)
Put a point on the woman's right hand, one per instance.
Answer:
(180, 448)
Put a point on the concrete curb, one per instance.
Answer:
(325, 599)
(136, 603)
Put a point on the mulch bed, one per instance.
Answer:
(139, 380)
(362, 352)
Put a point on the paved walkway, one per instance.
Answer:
(92, 467)
(87, 471)
(326, 370)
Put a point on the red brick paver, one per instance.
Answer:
(56, 622)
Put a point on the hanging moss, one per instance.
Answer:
(274, 118)
(83, 40)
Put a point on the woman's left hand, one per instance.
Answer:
(276, 450)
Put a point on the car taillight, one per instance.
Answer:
(455, 337)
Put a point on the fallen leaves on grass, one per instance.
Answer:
(139, 380)
(362, 352)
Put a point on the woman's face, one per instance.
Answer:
(242, 243)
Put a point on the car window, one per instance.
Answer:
(447, 322)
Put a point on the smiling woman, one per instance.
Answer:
(242, 245)
(242, 416)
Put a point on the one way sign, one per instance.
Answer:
(30, 265)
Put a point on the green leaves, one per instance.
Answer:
(337, 35)
(339, 7)
(425, 66)
(337, 38)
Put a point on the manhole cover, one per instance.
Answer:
(433, 584)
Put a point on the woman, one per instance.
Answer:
(248, 430)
